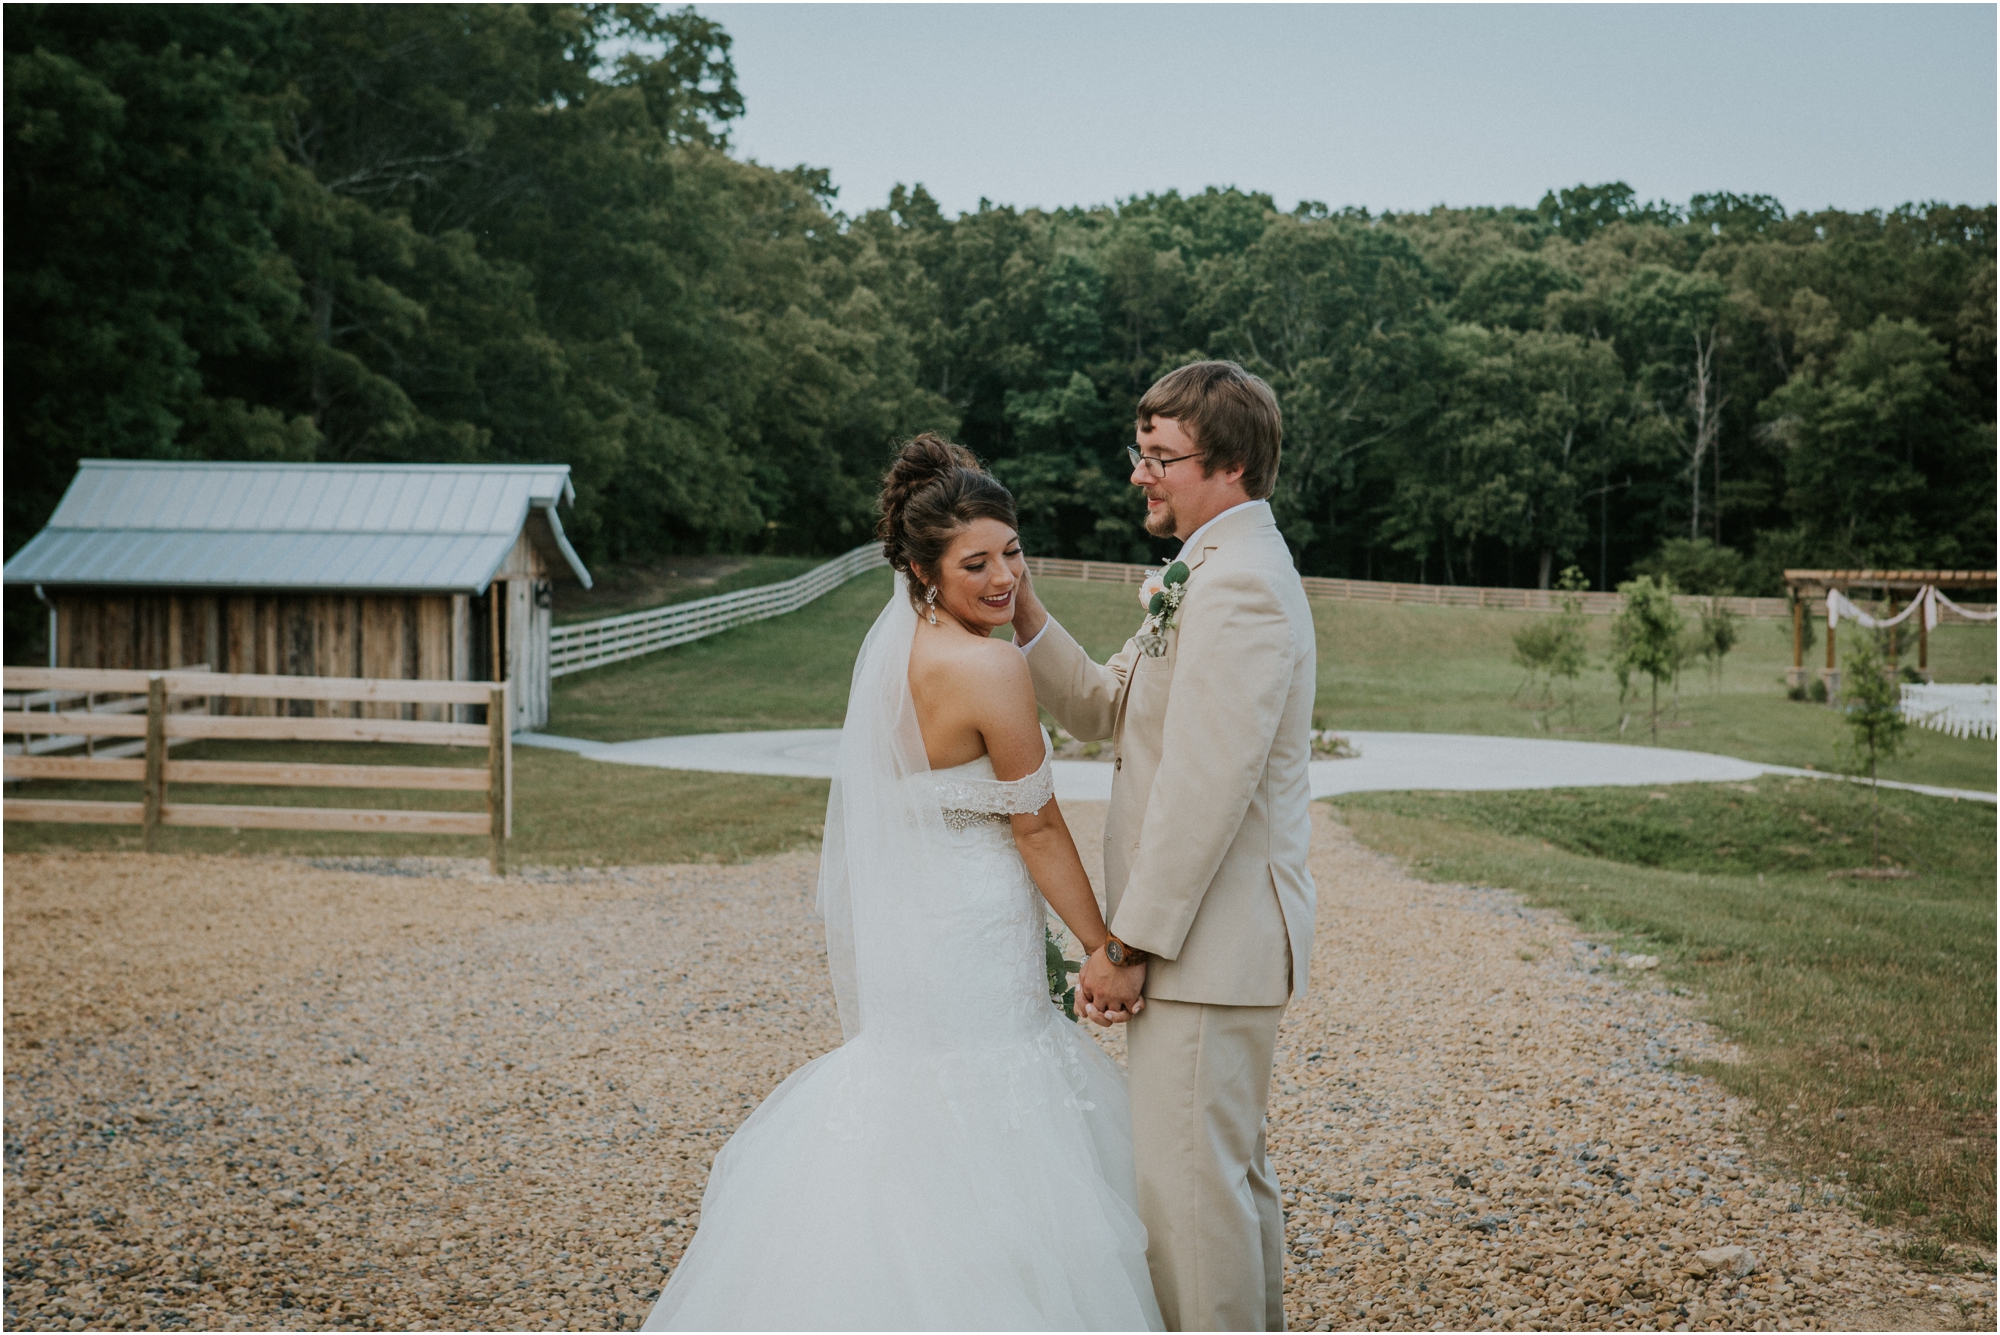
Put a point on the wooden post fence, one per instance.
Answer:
(159, 727)
(156, 757)
(496, 775)
(1426, 595)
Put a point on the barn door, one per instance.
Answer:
(519, 600)
(534, 677)
(488, 648)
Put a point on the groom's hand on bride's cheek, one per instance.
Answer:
(1029, 614)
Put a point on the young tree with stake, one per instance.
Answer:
(1646, 637)
(1877, 730)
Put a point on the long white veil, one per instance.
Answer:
(880, 902)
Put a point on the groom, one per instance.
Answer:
(1209, 901)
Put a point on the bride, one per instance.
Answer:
(964, 1159)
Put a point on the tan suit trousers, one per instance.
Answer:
(1200, 1080)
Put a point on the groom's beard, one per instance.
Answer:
(1161, 522)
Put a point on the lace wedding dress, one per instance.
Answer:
(964, 1160)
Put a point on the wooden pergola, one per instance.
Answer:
(1804, 584)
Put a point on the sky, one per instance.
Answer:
(1390, 107)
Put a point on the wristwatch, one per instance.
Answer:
(1123, 956)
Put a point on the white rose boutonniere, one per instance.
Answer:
(1161, 593)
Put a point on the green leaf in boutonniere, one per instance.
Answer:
(1162, 594)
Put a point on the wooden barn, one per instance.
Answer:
(432, 571)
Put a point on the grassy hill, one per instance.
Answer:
(1395, 669)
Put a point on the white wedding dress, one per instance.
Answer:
(964, 1160)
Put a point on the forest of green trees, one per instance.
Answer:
(462, 233)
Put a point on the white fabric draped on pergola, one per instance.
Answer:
(1929, 600)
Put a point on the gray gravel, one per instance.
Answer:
(398, 1093)
(1479, 1123)
(257, 1094)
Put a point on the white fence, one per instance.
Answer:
(1962, 711)
(592, 644)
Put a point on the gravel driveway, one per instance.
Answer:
(261, 1093)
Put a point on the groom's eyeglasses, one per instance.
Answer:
(1155, 466)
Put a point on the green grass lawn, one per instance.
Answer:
(1864, 1007)
(568, 811)
(789, 672)
(1449, 669)
(1385, 669)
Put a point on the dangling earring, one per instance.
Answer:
(930, 602)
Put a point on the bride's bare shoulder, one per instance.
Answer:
(966, 660)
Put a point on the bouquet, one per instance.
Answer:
(1062, 992)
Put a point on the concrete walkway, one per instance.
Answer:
(1389, 761)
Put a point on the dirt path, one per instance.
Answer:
(249, 1093)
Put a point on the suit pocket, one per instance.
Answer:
(1148, 666)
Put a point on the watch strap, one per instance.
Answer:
(1119, 954)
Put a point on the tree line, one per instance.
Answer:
(471, 233)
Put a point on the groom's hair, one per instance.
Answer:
(1232, 415)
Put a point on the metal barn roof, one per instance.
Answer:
(378, 528)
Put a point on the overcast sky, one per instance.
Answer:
(1386, 106)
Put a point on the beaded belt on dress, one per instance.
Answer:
(959, 819)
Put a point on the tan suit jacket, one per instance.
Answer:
(1205, 844)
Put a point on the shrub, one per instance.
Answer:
(1694, 565)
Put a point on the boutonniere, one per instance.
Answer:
(1161, 595)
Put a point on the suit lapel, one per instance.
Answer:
(1223, 530)
(1214, 538)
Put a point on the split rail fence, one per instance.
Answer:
(160, 726)
(53, 701)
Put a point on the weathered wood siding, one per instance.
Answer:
(427, 637)
(301, 635)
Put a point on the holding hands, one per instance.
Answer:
(1107, 993)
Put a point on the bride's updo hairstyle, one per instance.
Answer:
(931, 493)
